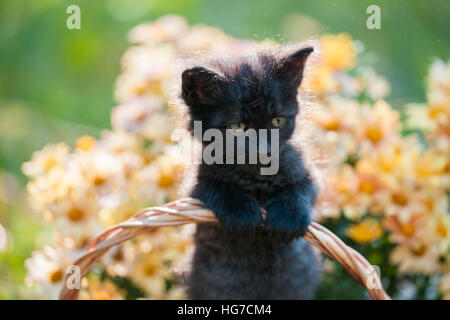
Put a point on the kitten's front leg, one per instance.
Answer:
(233, 206)
(289, 211)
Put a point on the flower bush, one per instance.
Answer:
(386, 182)
(384, 174)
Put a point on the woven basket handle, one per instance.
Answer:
(190, 210)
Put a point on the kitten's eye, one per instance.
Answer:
(278, 122)
(237, 127)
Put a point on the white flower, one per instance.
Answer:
(42, 161)
(47, 268)
(439, 83)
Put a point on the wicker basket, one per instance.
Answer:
(189, 210)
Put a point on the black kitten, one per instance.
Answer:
(255, 251)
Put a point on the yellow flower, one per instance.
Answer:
(443, 227)
(431, 168)
(107, 172)
(85, 143)
(335, 123)
(151, 273)
(438, 112)
(403, 202)
(365, 231)
(377, 124)
(391, 161)
(147, 72)
(417, 258)
(367, 187)
(434, 118)
(438, 231)
(405, 231)
(75, 221)
(98, 290)
(320, 80)
(47, 189)
(159, 181)
(47, 268)
(50, 157)
(338, 51)
(337, 115)
(343, 191)
(65, 199)
(369, 178)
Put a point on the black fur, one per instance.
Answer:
(247, 256)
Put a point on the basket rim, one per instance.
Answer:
(189, 210)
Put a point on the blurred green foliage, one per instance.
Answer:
(58, 74)
(57, 84)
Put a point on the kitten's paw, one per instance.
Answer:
(235, 209)
(287, 219)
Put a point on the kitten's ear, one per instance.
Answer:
(290, 68)
(200, 86)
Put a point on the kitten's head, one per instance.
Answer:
(258, 92)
